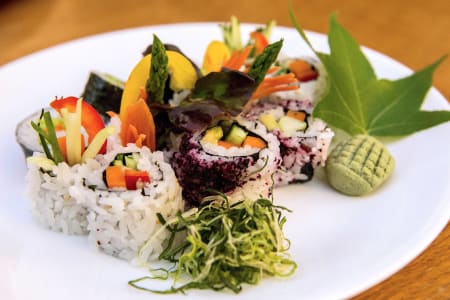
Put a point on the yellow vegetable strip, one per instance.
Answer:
(97, 143)
(72, 121)
(43, 162)
(215, 56)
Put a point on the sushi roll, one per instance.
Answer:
(104, 92)
(85, 181)
(122, 213)
(51, 181)
(311, 77)
(52, 192)
(26, 136)
(234, 157)
(304, 141)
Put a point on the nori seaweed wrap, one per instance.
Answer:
(103, 92)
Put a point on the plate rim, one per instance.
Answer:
(436, 94)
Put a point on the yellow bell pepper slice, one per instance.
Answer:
(182, 77)
(217, 53)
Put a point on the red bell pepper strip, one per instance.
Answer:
(90, 118)
(136, 179)
(260, 41)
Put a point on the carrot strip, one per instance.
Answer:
(303, 70)
(131, 134)
(286, 78)
(62, 146)
(237, 59)
(299, 115)
(254, 142)
(299, 66)
(140, 140)
(275, 84)
(264, 91)
(232, 60)
(273, 69)
(278, 81)
(111, 114)
(225, 144)
(115, 177)
(243, 57)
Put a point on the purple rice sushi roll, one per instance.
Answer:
(233, 157)
(304, 141)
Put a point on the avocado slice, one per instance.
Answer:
(213, 135)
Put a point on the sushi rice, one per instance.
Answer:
(52, 200)
(75, 200)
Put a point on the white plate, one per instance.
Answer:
(342, 245)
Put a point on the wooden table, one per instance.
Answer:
(411, 31)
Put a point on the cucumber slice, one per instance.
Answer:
(43, 162)
(117, 163)
(130, 162)
(237, 135)
(226, 126)
(290, 125)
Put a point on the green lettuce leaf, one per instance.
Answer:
(360, 103)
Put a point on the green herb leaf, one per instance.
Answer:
(159, 73)
(263, 62)
(360, 103)
(48, 138)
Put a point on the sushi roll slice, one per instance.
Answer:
(311, 77)
(52, 192)
(104, 92)
(234, 157)
(26, 136)
(51, 182)
(122, 212)
(304, 141)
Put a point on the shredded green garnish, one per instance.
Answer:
(159, 73)
(225, 247)
(48, 137)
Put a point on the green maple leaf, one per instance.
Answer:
(360, 103)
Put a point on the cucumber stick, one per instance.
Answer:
(237, 135)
